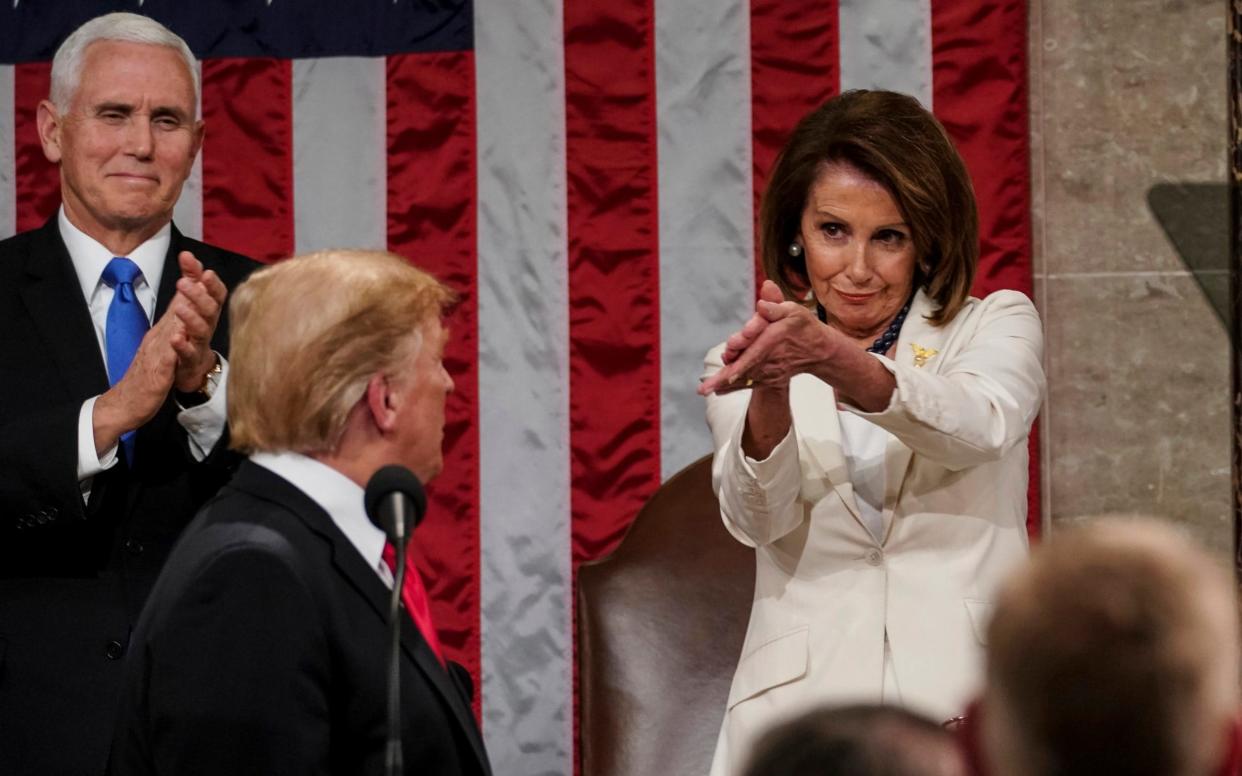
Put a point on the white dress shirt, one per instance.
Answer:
(863, 444)
(204, 424)
(340, 497)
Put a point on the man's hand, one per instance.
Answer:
(197, 305)
(139, 394)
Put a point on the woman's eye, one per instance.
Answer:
(833, 230)
(891, 237)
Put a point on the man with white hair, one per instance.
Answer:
(1114, 652)
(112, 398)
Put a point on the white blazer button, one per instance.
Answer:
(875, 557)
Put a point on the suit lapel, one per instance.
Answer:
(53, 298)
(169, 276)
(366, 583)
(919, 346)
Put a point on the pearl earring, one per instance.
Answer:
(795, 250)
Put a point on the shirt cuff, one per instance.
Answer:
(204, 424)
(89, 463)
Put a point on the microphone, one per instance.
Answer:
(395, 503)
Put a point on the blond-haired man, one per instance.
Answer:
(1115, 651)
(262, 647)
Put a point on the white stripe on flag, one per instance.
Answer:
(706, 233)
(527, 638)
(339, 144)
(188, 212)
(8, 155)
(886, 44)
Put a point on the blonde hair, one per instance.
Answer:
(307, 336)
(1114, 651)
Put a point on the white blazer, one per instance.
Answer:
(827, 593)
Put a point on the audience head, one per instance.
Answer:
(333, 340)
(857, 741)
(1114, 651)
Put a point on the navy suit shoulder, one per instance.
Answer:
(263, 649)
(74, 576)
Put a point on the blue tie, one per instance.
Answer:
(126, 325)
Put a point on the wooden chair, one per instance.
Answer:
(660, 627)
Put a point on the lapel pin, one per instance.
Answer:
(922, 354)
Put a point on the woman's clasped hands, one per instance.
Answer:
(782, 339)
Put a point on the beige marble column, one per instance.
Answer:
(1129, 100)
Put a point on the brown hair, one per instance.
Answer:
(894, 140)
(1114, 651)
(308, 334)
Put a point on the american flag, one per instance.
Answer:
(585, 174)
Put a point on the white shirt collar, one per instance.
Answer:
(90, 257)
(336, 494)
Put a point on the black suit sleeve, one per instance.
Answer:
(238, 672)
(38, 467)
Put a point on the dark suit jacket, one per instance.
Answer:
(73, 577)
(263, 650)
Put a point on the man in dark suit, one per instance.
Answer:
(112, 395)
(263, 646)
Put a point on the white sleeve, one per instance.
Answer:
(983, 401)
(758, 499)
(90, 464)
(204, 424)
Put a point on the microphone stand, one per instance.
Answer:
(392, 753)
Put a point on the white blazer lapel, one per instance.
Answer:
(920, 346)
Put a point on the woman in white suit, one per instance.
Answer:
(871, 438)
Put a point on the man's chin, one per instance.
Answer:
(136, 211)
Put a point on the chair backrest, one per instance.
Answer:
(660, 627)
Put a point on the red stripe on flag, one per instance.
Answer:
(248, 156)
(37, 184)
(614, 326)
(980, 95)
(794, 68)
(431, 221)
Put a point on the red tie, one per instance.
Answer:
(414, 596)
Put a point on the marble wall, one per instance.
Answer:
(1129, 157)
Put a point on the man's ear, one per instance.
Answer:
(381, 403)
(48, 122)
(1232, 764)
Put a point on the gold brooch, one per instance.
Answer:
(921, 354)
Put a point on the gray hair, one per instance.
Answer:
(120, 26)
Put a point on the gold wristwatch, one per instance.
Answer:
(203, 394)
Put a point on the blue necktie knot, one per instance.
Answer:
(120, 274)
(126, 325)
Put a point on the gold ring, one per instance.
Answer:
(749, 382)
